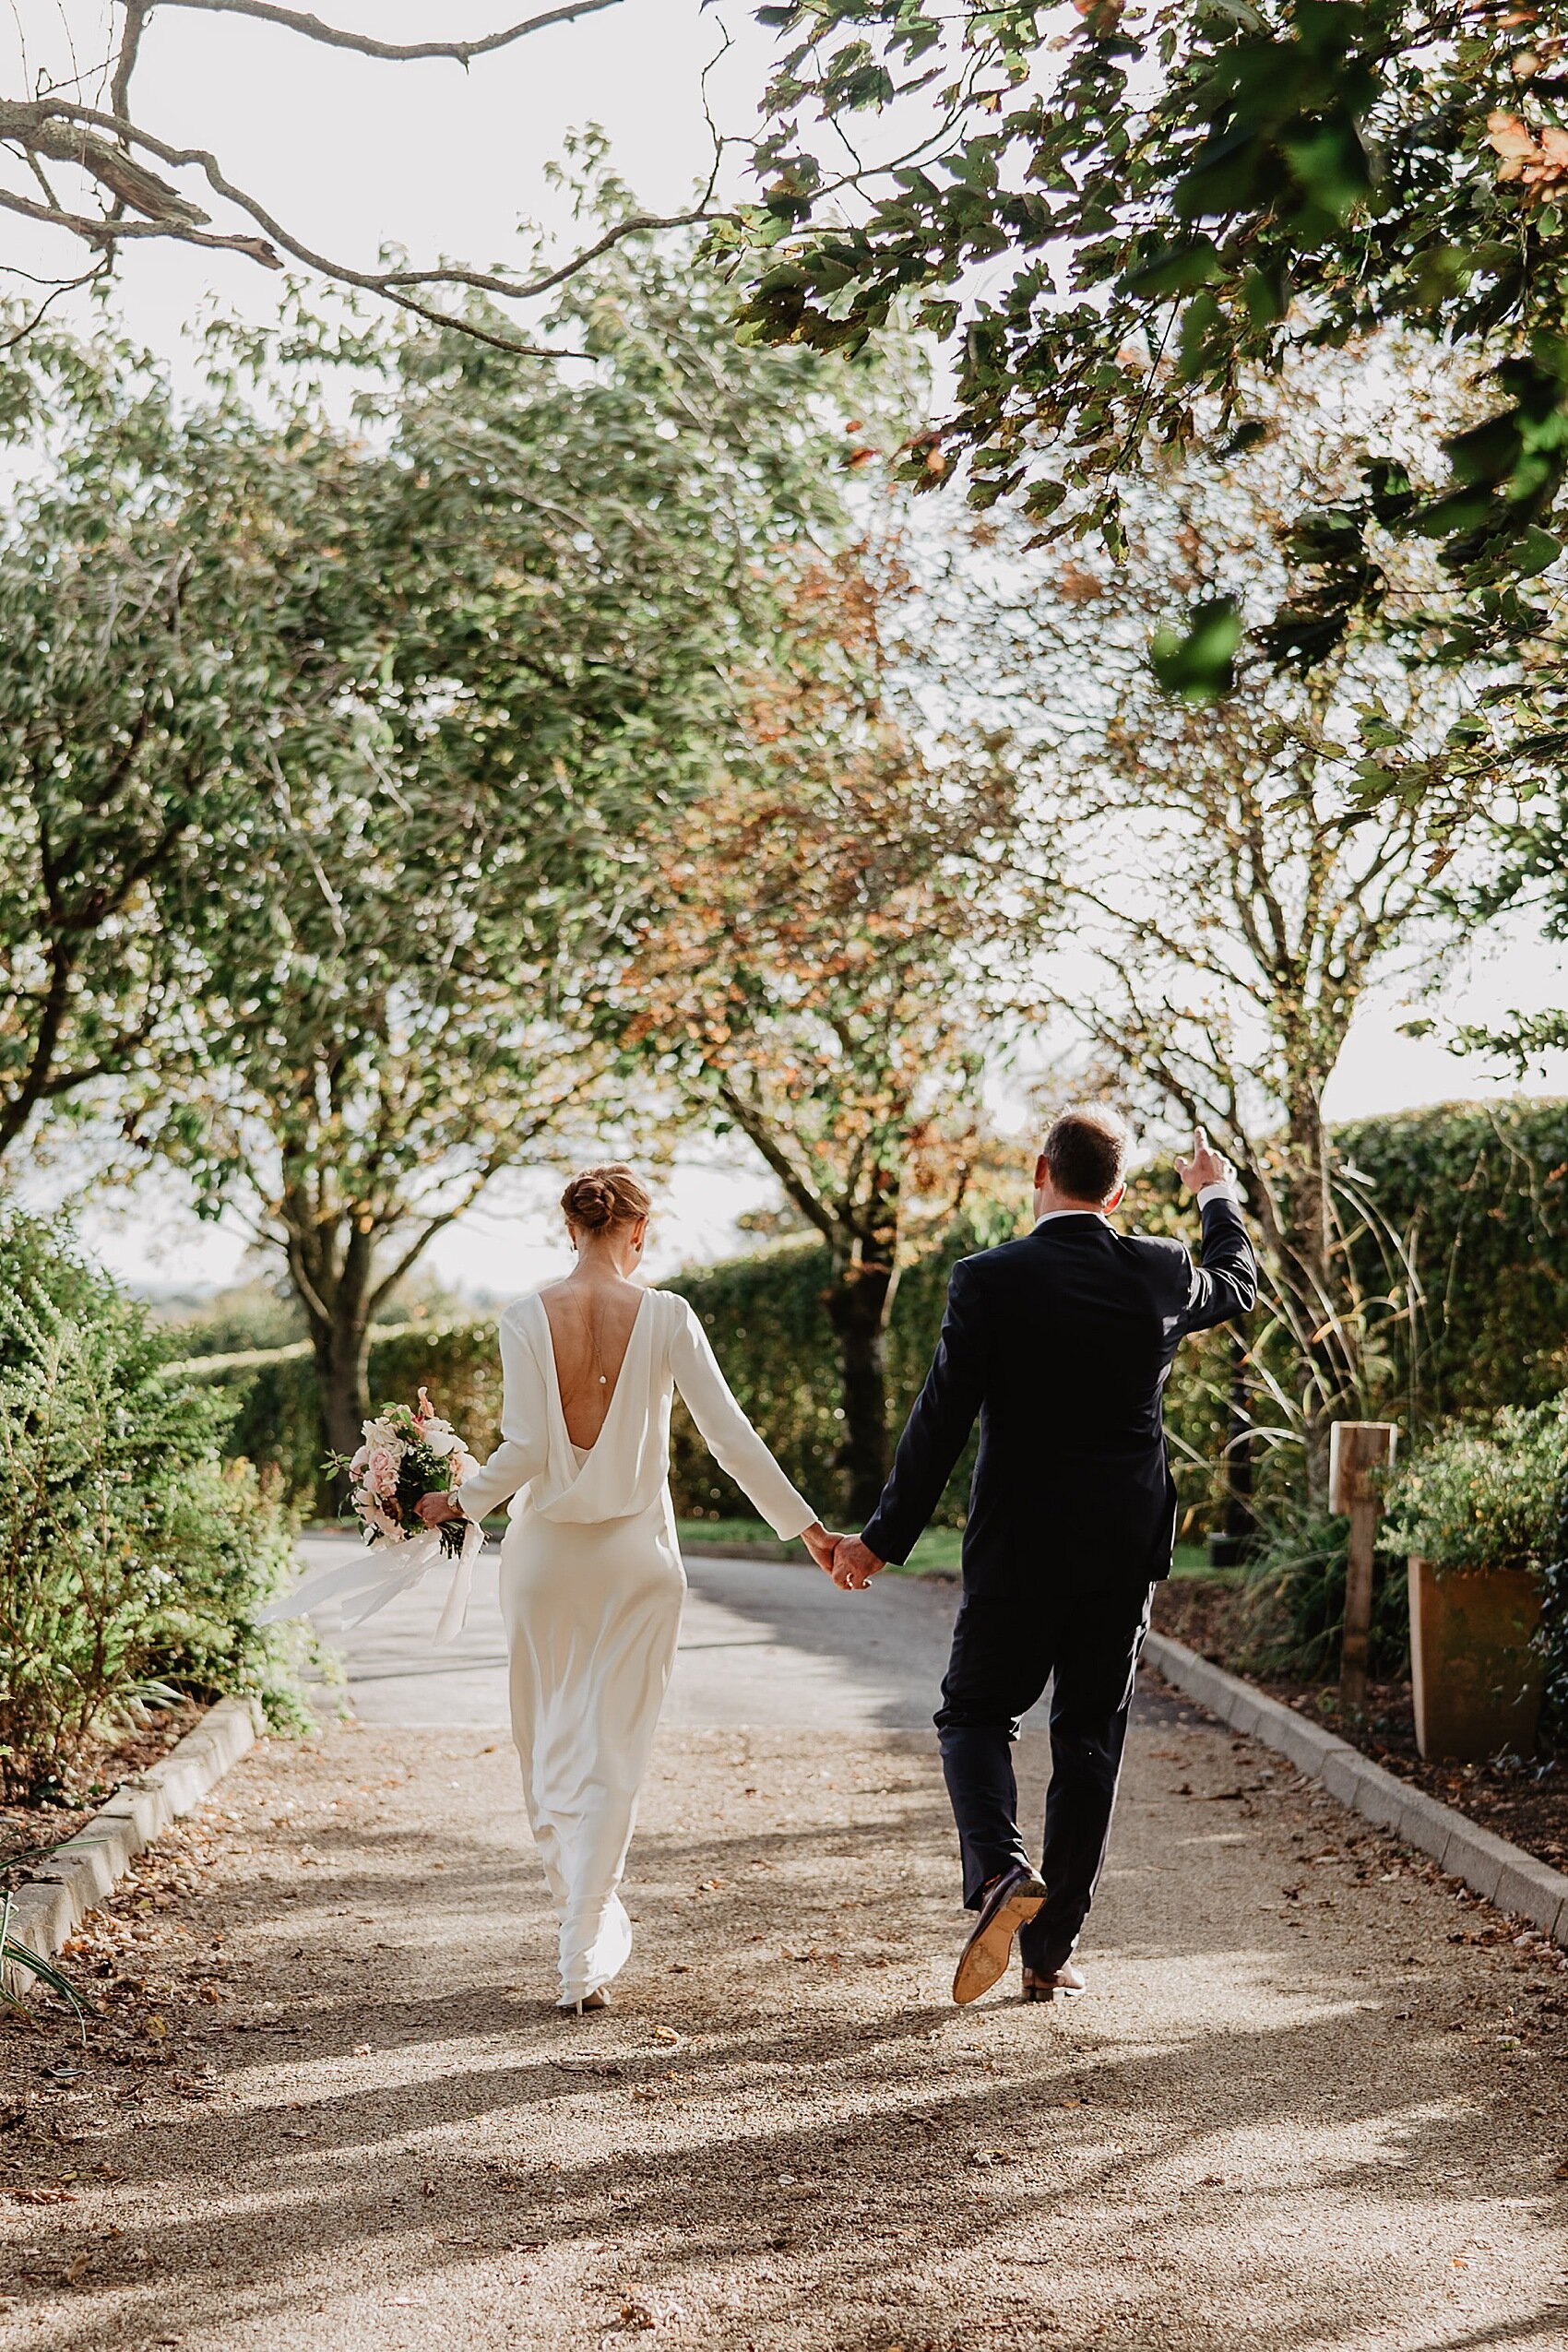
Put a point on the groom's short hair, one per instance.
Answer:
(1085, 1153)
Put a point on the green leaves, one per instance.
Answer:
(1198, 663)
(1175, 267)
(127, 1554)
(1154, 245)
(1284, 119)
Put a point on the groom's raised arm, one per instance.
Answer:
(1224, 1281)
(942, 1417)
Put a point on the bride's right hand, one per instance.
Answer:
(821, 1545)
(434, 1509)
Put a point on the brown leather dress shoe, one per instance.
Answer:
(1011, 1902)
(1053, 1984)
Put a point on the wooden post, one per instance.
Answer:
(1355, 1450)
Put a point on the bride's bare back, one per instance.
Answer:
(591, 1316)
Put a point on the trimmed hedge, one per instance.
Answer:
(765, 1317)
(277, 1424)
(1476, 1194)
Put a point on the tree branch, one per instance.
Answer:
(759, 1134)
(398, 52)
(66, 132)
(105, 231)
(136, 14)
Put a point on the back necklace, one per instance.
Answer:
(593, 1342)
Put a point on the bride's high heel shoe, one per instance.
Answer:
(589, 2002)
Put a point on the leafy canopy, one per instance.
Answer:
(1116, 224)
(531, 596)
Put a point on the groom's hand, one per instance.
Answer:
(1206, 1166)
(854, 1564)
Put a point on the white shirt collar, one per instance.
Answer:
(1051, 1214)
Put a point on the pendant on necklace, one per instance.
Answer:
(603, 1380)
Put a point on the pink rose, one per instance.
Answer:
(381, 1471)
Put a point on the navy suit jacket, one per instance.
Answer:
(1062, 1342)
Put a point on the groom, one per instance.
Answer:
(1061, 1343)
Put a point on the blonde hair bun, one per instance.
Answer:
(597, 1197)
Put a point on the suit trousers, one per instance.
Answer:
(1007, 1646)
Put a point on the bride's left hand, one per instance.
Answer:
(821, 1545)
(434, 1509)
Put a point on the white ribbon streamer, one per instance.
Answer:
(380, 1573)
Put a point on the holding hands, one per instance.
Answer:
(849, 1562)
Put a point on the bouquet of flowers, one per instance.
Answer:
(407, 1451)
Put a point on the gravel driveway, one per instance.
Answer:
(1314, 2098)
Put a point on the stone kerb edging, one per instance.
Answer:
(1491, 1867)
(87, 1867)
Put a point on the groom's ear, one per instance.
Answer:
(1041, 1171)
(1117, 1197)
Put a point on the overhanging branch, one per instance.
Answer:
(398, 52)
(112, 150)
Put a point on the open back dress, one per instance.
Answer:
(591, 1587)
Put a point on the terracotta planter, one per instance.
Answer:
(1477, 1680)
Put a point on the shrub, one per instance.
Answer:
(1295, 1601)
(129, 1555)
(1494, 1497)
(1473, 1497)
(1482, 1497)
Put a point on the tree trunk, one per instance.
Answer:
(859, 1303)
(1235, 1537)
(1327, 1383)
(343, 1349)
(332, 1274)
(857, 1309)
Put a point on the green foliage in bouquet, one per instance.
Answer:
(132, 1558)
(273, 1398)
(407, 1452)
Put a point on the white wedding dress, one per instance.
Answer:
(591, 1587)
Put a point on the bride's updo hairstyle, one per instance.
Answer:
(599, 1197)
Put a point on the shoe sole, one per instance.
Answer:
(985, 1958)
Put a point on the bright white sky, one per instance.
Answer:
(352, 154)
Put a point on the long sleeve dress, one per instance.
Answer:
(591, 1587)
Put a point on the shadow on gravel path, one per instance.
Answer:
(326, 2107)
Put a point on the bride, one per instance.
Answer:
(592, 1581)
